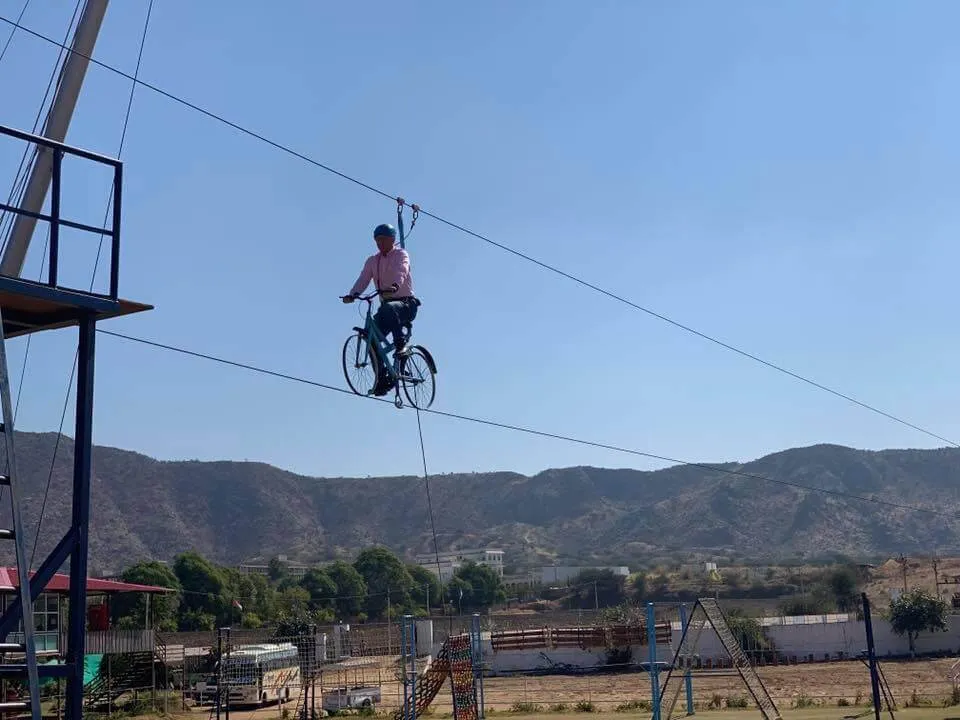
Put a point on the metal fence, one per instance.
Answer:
(337, 663)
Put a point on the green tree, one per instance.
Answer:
(750, 634)
(277, 571)
(294, 601)
(843, 584)
(388, 582)
(192, 619)
(204, 585)
(818, 600)
(483, 587)
(254, 593)
(321, 588)
(602, 588)
(251, 621)
(130, 609)
(426, 587)
(458, 593)
(351, 589)
(917, 611)
(638, 585)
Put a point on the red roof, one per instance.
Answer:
(61, 583)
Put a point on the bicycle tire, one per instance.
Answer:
(350, 352)
(416, 357)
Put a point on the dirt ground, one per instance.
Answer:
(797, 690)
(914, 572)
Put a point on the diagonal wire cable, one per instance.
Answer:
(96, 264)
(13, 30)
(546, 266)
(532, 431)
(433, 525)
(21, 176)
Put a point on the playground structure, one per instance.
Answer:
(686, 651)
(460, 658)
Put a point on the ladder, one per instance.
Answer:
(686, 650)
(428, 685)
(740, 661)
(8, 486)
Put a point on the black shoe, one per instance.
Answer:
(382, 388)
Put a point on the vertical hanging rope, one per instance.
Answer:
(433, 525)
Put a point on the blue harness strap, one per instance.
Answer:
(416, 211)
(400, 222)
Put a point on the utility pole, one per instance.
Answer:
(596, 598)
(58, 121)
(903, 567)
(389, 621)
(936, 573)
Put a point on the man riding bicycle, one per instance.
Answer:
(390, 271)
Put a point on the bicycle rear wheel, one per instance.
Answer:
(360, 366)
(418, 379)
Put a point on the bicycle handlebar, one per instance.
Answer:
(368, 298)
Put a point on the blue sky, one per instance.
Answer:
(781, 176)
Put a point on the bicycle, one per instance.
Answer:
(368, 350)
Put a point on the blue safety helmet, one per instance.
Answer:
(385, 229)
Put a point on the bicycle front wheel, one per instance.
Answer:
(418, 379)
(360, 366)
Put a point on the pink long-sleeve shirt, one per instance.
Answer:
(385, 270)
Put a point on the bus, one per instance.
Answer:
(259, 674)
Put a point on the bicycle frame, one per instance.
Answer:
(381, 346)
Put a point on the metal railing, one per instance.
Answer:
(59, 150)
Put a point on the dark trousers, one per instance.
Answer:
(392, 315)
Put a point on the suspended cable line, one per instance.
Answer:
(13, 30)
(532, 431)
(607, 293)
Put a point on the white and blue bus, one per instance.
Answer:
(258, 674)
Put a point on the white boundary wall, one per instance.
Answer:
(832, 637)
(808, 638)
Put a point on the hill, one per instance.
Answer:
(230, 511)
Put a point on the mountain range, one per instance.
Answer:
(234, 511)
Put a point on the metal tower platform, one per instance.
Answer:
(29, 306)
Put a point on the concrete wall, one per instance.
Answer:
(832, 640)
(513, 661)
(814, 639)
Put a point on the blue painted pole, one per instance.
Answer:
(408, 650)
(413, 667)
(687, 674)
(478, 665)
(406, 672)
(654, 671)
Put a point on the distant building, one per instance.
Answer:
(451, 561)
(294, 569)
(563, 574)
